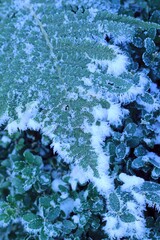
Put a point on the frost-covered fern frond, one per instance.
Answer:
(59, 75)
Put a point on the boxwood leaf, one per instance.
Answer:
(18, 184)
(29, 217)
(45, 179)
(147, 58)
(150, 222)
(5, 218)
(139, 151)
(130, 129)
(53, 214)
(149, 45)
(51, 229)
(32, 159)
(36, 223)
(95, 223)
(69, 225)
(147, 98)
(6, 163)
(43, 235)
(138, 163)
(154, 159)
(45, 201)
(29, 157)
(121, 150)
(127, 217)
(133, 142)
(111, 148)
(155, 173)
(114, 202)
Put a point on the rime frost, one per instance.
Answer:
(24, 118)
(118, 65)
(130, 181)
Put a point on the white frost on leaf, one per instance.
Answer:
(87, 81)
(135, 90)
(58, 4)
(21, 4)
(104, 183)
(34, 125)
(24, 118)
(92, 67)
(116, 229)
(130, 181)
(136, 209)
(5, 139)
(61, 149)
(99, 132)
(99, 113)
(118, 65)
(157, 139)
(68, 204)
(115, 114)
(154, 156)
(3, 118)
(115, 67)
(140, 199)
(93, 13)
(76, 218)
(77, 176)
(28, 48)
(154, 88)
(56, 183)
(148, 107)
(121, 39)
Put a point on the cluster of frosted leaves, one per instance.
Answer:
(50, 69)
(125, 207)
(37, 200)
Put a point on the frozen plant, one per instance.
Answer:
(68, 69)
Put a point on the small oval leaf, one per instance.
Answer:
(36, 223)
(114, 202)
(121, 150)
(127, 217)
(138, 163)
